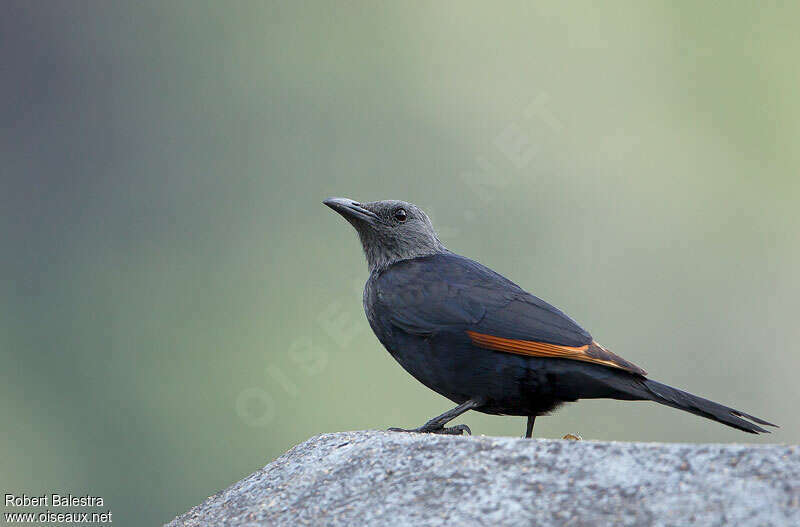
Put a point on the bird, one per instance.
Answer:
(483, 342)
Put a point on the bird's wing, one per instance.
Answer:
(425, 296)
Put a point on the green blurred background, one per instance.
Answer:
(177, 307)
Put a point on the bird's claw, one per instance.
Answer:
(456, 430)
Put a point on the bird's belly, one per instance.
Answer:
(452, 366)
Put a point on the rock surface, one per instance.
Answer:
(389, 478)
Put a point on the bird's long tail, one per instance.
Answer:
(667, 395)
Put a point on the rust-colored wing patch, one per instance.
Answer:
(593, 352)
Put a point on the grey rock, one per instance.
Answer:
(390, 478)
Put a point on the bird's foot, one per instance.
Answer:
(572, 437)
(456, 430)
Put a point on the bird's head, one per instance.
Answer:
(389, 230)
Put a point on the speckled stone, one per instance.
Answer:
(389, 478)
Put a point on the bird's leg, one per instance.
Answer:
(529, 428)
(436, 425)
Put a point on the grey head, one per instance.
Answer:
(389, 230)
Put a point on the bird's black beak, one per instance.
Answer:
(352, 211)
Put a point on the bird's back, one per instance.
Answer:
(449, 291)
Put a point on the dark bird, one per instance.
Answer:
(480, 340)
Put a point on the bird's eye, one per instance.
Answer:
(400, 215)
